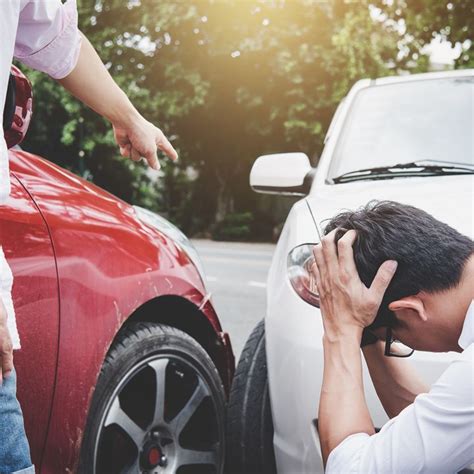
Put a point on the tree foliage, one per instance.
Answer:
(229, 80)
(421, 21)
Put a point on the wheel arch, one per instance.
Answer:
(180, 313)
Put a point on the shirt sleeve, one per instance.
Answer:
(48, 38)
(434, 434)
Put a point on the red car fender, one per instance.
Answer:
(109, 264)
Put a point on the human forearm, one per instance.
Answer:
(92, 84)
(347, 307)
(395, 381)
(342, 408)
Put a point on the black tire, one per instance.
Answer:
(144, 357)
(249, 417)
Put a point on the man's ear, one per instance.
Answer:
(409, 303)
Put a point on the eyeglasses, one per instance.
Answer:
(394, 348)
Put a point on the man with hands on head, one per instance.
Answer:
(391, 271)
(44, 35)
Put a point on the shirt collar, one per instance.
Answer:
(467, 333)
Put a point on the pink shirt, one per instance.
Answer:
(42, 34)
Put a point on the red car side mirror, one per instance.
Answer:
(18, 108)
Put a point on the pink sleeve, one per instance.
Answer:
(48, 38)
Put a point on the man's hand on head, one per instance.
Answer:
(347, 305)
(6, 346)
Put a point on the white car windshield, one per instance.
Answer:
(408, 122)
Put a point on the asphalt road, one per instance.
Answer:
(237, 275)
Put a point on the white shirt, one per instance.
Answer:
(43, 34)
(435, 434)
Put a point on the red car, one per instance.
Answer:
(124, 367)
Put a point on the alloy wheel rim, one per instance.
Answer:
(180, 435)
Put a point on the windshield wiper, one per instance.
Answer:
(414, 168)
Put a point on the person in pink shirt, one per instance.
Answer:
(44, 35)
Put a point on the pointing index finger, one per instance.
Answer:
(165, 146)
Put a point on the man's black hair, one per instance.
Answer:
(431, 255)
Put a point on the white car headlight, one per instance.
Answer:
(170, 230)
(301, 278)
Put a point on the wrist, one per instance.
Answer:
(347, 334)
(124, 113)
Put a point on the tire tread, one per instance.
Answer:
(249, 424)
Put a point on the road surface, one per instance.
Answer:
(237, 275)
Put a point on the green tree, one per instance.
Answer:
(229, 80)
(68, 133)
(421, 21)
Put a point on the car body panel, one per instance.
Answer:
(28, 249)
(435, 195)
(294, 328)
(109, 265)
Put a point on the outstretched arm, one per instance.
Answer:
(48, 40)
(91, 83)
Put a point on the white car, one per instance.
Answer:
(407, 139)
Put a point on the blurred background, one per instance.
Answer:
(229, 80)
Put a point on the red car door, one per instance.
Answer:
(28, 249)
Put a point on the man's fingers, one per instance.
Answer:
(346, 253)
(165, 146)
(315, 282)
(382, 279)
(121, 139)
(7, 363)
(6, 359)
(329, 251)
(152, 157)
(321, 265)
(125, 151)
(135, 155)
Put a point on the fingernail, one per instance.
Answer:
(392, 264)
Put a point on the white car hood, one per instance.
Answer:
(448, 198)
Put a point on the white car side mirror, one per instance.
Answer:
(282, 173)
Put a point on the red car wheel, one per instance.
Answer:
(159, 406)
